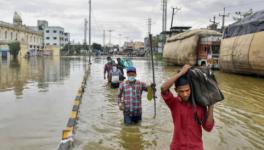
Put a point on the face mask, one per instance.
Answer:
(114, 69)
(131, 79)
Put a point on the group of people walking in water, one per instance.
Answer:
(187, 131)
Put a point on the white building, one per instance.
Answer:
(53, 35)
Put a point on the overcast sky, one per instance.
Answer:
(125, 17)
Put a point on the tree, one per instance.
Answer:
(240, 15)
(96, 46)
(14, 48)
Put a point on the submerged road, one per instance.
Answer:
(37, 95)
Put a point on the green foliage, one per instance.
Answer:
(14, 48)
(75, 49)
(158, 56)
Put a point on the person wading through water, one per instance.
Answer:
(187, 133)
(115, 75)
(129, 97)
(108, 66)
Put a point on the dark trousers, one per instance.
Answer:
(114, 85)
(129, 120)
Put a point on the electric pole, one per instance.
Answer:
(90, 8)
(213, 21)
(164, 15)
(223, 19)
(104, 40)
(85, 34)
(214, 25)
(110, 31)
(173, 12)
(149, 25)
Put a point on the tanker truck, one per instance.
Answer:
(242, 46)
(198, 47)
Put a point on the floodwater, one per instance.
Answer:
(37, 97)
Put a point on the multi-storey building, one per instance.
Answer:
(30, 40)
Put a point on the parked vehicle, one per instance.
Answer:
(242, 47)
(195, 47)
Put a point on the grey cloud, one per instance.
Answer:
(126, 17)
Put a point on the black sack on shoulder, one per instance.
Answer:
(204, 87)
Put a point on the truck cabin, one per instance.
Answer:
(208, 51)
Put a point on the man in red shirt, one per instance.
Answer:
(187, 133)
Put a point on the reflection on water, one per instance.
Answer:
(16, 74)
(36, 99)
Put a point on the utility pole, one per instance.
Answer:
(149, 25)
(164, 15)
(214, 25)
(213, 21)
(85, 34)
(172, 16)
(223, 19)
(104, 40)
(110, 31)
(90, 8)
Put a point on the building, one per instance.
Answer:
(54, 37)
(138, 45)
(31, 41)
(155, 42)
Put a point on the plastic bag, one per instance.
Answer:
(204, 87)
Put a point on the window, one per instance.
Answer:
(11, 35)
(47, 43)
(54, 31)
(47, 38)
(54, 43)
(47, 31)
(5, 34)
(54, 38)
(215, 49)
